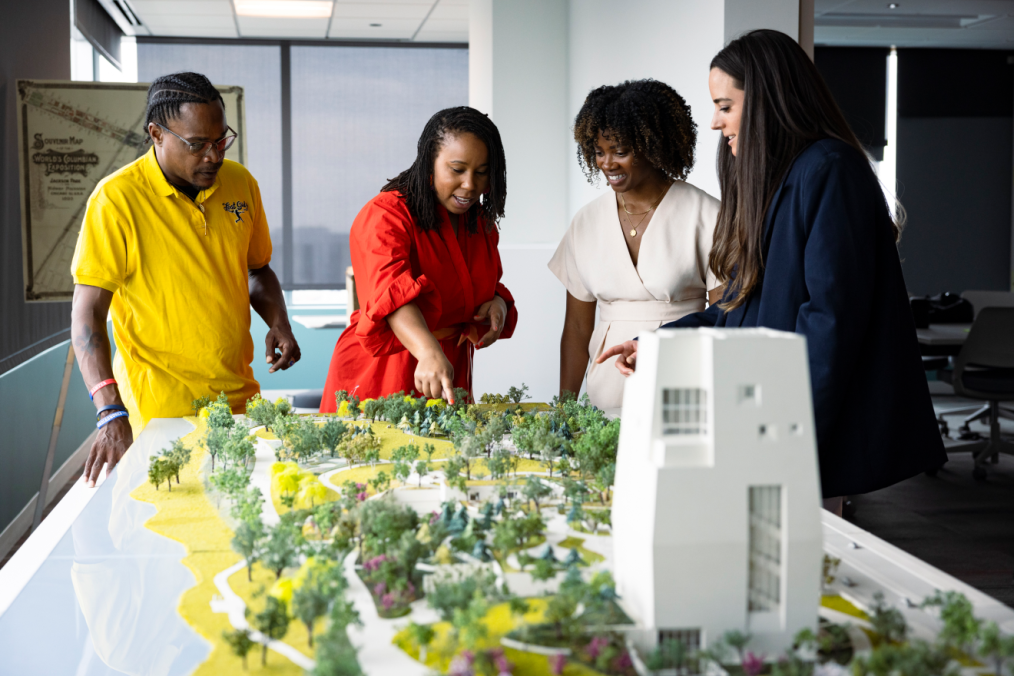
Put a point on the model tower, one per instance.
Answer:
(716, 515)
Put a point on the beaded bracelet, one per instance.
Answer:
(112, 416)
(91, 392)
(111, 407)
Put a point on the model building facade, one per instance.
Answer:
(716, 515)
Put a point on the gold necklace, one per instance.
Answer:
(643, 215)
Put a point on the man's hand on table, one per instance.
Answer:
(111, 443)
(283, 350)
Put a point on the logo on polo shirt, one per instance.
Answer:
(237, 209)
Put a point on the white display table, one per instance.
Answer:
(93, 591)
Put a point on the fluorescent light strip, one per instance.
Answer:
(285, 9)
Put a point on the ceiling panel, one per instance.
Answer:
(273, 27)
(377, 11)
(399, 20)
(977, 24)
(145, 8)
(360, 29)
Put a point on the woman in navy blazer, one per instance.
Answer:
(807, 244)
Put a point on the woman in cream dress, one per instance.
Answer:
(638, 254)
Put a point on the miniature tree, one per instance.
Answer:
(481, 551)
(273, 622)
(372, 456)
(574, 558)
(179, 457)
(239, 642)
(215, 441)
(381, 482)
(422, 635)
(576, 514)
(421, 470)
(335, 655)
(281, 549)
(830, 569)
(519, 608)
(220, 413)
(158, 471)
(995, 648)
(544, 570)
(536, 490)
(960, 624)
(469, 448)
(738, 641)
(452, 472)
(517, 395)
(887, 622)
(198, 404)
(354, 411)
(373, 408)
(331, 435)
(313, 492)
(246, 542)
(309, 602)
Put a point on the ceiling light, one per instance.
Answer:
(376, 25)
(287, 9)
(893, 5)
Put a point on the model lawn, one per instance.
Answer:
(465, 539)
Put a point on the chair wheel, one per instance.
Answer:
(979, 473)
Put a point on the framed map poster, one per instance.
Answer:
(71, 135)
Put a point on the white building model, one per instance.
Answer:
(716, 512)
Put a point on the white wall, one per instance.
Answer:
(662, 39)
(747, 15)
(518, 75)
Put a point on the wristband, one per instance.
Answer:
(112, 416)
(91, 392)
(111, 407)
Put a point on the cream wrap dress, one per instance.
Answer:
(671, 278)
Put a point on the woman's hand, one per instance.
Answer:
(495, 312)
(434, 376)
(628, 356)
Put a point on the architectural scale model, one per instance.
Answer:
(717, 500)
(406, 537)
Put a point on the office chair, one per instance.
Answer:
(980, 300)
(984, 369)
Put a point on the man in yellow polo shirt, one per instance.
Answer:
(176, 246)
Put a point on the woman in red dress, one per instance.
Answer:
(427, 269)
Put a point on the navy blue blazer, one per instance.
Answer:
(832, 273)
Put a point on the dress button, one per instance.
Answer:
(201, 207)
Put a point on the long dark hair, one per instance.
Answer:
(415, 185)
(787, 106)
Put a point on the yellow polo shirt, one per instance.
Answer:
(178, 270)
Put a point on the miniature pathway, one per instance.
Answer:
(234, 606)
(261, 478)
(377, 654)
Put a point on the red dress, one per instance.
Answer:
(447, 276)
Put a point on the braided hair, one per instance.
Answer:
(646, 115)
(169, 92)
(414, 183)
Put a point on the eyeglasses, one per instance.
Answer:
(201, 148)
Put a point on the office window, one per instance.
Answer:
(691, 641)
(765, 548)
(357, 113)
(684, 411)
(257, 69)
